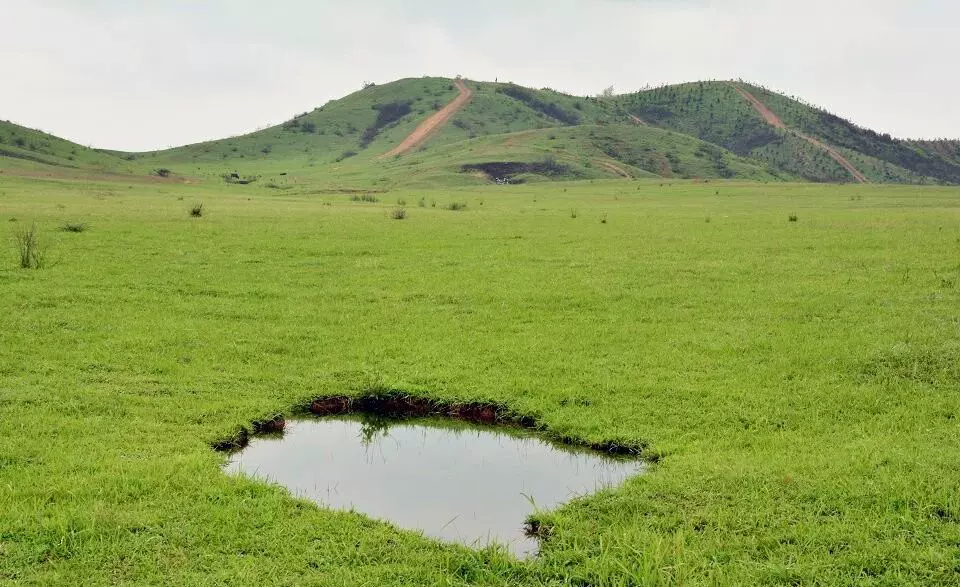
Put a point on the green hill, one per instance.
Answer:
(24, 147)
(510, 133)
(717, 112)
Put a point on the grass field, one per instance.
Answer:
(799, 380)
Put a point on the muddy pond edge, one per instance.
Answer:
(396, 404)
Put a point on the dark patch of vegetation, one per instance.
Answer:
(368, 198)
(162, 172)
(398, 214)
(73, 227)
(931, 365)
(457, 206)
(387, 114)
(508, 170)
(197, 210)
(34, 158)
(550, 109)
(346, 155)
(793, 218)
(718, 158)
(235, 178)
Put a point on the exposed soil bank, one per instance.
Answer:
(398, 405)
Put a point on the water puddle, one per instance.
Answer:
(455, 481)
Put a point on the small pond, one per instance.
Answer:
(459, 482)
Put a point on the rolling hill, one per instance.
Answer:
(427, 130)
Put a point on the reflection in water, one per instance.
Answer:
(457, 482)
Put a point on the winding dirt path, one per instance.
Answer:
(433, 123)
(774, 120)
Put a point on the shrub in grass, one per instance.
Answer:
(793, 218)
(603, 219)
(401, 202)
(398, 214)
(370, 199)
(573, 213)
(162, 172)
(32, 253)
(457, 206)
(197, 211)
(73, 227)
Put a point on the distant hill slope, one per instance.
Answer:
(696, 130)
(21, 144)
(717, 112)
(567, 153)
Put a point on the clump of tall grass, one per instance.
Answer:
(197, 210)
(30, 250)
(793, 218)
(457, 206)
(73, 227)
(370, 199)
(398, 214)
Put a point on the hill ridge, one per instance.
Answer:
(767, 135)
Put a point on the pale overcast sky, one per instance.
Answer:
(147, 74)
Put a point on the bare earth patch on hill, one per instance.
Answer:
(773, 120)
(431, 125)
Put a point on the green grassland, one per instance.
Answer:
(798, 380)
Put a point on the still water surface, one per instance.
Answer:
(474, 485)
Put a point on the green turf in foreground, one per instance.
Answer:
(800, 378)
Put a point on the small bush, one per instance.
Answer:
(573, 213)
(603, 219)
(73, 227)
(29, 248)
(398, 214)
(401, 202)
(162, 172)
(793, 218)
(368, 198)
(457, 206)
(197, 211)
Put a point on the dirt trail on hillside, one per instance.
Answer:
(774, 120)
(614, 168)
(433, 123)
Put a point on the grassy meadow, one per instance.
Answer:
(799, 380)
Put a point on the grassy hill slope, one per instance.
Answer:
(716, 112)
(345, 140)
(25, 146)
(566, 153)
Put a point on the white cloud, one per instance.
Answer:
(158, 73)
